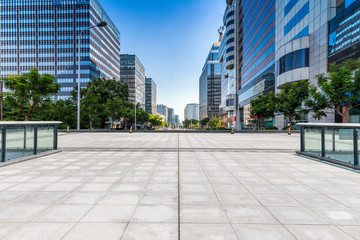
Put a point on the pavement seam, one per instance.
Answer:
(179, 219)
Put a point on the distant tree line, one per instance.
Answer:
(103, 103)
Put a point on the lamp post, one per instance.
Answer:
(100, 24)
(135, 101)
(238, 124)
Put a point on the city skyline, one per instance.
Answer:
(175, 61)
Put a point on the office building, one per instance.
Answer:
(257, 70)
(191, 111)
(44, 35)
(229, 86)
(150, 96)
(176, 121)
(132, 72)
(210, 85)
(301, 45)
(163, 110)
(171, 113)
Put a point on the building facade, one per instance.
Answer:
(344, 39)
(170, 115)
(176, 121)
(163, 110)
(301, 44)
(150, 96)
(191, 111)
(257, 54)
(210, 85)
(133, 74)
(45, 34)
(229, 86)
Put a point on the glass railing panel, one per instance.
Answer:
(16, 143)
(312, 142)
(1, 131)
(45, 138)
(339, 144)
(358, 153)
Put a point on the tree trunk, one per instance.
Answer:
(91, 127)
(346, 114)
(290, 124)
(27, 116)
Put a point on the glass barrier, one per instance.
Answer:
(312, 137)
(339, 144)
(23, 139)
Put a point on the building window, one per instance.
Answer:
(294, 60)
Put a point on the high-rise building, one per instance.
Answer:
(210, 84)
(171, 113)
(133, 73)
(301, 43)
(176, 120)
(344, 40)
(257, 70)
(45, 34)
(162, 110)
(229, 84)
(191, 111)
(150, 96)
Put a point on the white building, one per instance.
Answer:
(191, 111)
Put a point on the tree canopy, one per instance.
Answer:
(263, 107)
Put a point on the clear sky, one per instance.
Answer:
(171, 39)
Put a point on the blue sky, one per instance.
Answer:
(171, 39)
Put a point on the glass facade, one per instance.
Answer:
(150, 96)
(294, 60)
(210, 85)
(163, 110)
(344, 32)
(133, 74)
(258, 54)
(44, 34)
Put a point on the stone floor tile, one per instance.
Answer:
(96, 231)
(339, 216)
(83, 198)
(118, 198)
(19, 213)
(207, 232)
(43, 231)
(109, 213)
(274, 200)
(151, 231)
(154, 214)
(199, 199)
(352, 231)
(95, 187)
(262, 232)
(6, 228)
(308, 232)
(63, 213)
(296, 215)
(159, 199)
(202, 214)
(249, 215)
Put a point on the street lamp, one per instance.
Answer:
(135, 100)
(238, 125)
(99, 25)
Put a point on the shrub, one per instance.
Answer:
(271, 128)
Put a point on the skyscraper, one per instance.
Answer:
(133, 73)
(45, 34)
(171, 113)
(302, 44)
(163, 110)
(210, 84)
(257, 53)
(150, 96)
(191, 111)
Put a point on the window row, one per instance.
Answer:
(294, 60)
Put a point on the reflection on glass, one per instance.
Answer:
(45, 138)
(17, 142)
(313, 140)
(339, 144)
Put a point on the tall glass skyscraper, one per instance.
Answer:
(133, 74)
(210, 85)
(44, 34)
(257, 53)
(150, 96)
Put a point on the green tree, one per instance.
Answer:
(155, 121)
(263, 107)
(338, 91)
(290, 100)
(215, 123)
(190, 123)
(113, 108)
(204, 121)
(29, 91)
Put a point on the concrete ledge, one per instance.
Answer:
(176, 131)
(3, 164)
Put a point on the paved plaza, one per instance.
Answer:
(169, 186)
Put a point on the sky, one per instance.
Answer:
(172, 40)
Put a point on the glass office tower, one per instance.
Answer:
(133, 74)
(150, 96)
(210, 85)
(44, 34)
(257, 53)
